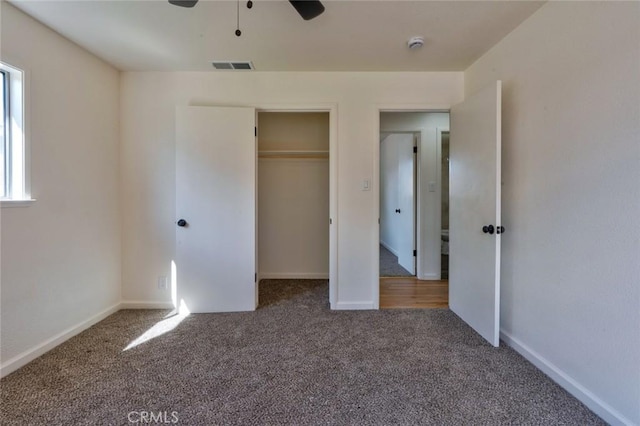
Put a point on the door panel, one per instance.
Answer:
(475, 179)
(406, 203)
(389, 193)
(216, 196)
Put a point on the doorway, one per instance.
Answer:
(293, 203)
(423, 281)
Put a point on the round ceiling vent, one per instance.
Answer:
(415, 42)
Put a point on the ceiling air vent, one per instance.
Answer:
(225, 65)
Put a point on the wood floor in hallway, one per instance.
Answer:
(409, 292)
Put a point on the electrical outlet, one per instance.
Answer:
(162, 282)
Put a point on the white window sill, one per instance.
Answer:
(16, 203)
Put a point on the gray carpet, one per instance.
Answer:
(293, 361)
(389, 266)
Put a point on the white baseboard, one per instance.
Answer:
(136, 304)
(429, 277)
(353, 306)
(595, 404)
(29, 355)
(388, 247)
(293, 275)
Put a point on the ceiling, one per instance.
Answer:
(348, 36)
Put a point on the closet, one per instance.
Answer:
(293, 195)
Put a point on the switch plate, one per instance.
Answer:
(366, 185)
(162, 282)
(432, 187)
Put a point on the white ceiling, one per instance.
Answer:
(349, 36)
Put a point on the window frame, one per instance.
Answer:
(6, 145)
(17, 166)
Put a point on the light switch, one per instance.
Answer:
(432, 187)
(366, 185)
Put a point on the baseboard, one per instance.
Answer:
(293, 276)
(353, 306)
(388, 247)
(429, 277)
(136, 304)
(29, 355)
(595, 404)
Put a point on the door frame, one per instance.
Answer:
(375, 250)
(332, 109)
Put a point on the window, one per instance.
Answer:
(4, 130)
(14, 188)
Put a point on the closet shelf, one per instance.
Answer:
(293, 154)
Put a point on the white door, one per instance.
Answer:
(406, 203)
(474, 204)
(216, 197)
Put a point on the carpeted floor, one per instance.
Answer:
(293, 361)
(389, 266)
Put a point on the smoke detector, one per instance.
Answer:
(415, 42)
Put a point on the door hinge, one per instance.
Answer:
(415, 149)
(255, 131)
(415, 253)
(330, 221)
(255, 277)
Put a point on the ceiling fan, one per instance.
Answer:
(308, 9)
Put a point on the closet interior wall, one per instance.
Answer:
(293, 195)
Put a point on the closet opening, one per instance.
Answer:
(293, 217)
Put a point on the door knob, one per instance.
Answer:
(182, 223)
(500, 230)
(397, 210)
(488, 229)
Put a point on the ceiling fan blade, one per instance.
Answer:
(183, 3)
(308, 9)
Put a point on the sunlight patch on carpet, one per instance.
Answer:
(170, 322)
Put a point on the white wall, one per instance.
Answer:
(428, 124)
(61, 255)
(571, 196)
(295, 131)
(293, 196)
(148, 159)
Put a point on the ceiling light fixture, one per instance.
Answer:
(415, 42)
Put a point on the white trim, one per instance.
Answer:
(353, 306)
(8, 203)
(430, 277)
(20, 108)
(294, 275)
(29, 355)
(139, 304)
(597, 405)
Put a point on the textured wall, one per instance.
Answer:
(571, 195)
(61, 255)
